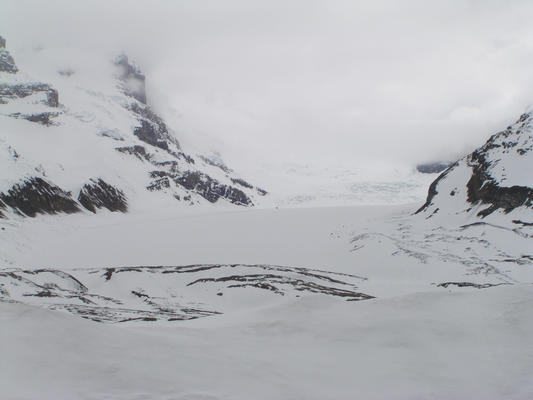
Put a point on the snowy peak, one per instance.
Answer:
(30, 100)
(89, 135)
(496, 176)
(132, 78)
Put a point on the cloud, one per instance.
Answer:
(310, 81)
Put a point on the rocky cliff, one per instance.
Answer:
(495, 177)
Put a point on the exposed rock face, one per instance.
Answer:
(496, 175)
(432, 168)
(241, 182)
(210, 189)
(470, 284)
(44, 118)
(33, 92)
(153, 129)
(171, 172)
(133, 79)
(2, 207)
(7, 64)
(11, 92)
(151, 133)
(99, 194)
(137, 151)
(485, 189)
(36, 196)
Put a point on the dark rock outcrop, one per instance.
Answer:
(45, 118)
(133, 79)
(169, 172)
(7, 63)
(242, 183)
(489, 166)
(149, 133)
(2, 207)
(485, 189)
(37, 196)
(138, 151)
(11, 92)
(470, 284)
(200, 183)
(158, 183)
(99, 194)
(262, 192)
(210, 189)
(153, 129)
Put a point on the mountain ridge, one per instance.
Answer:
(492, 178)
(113, 123)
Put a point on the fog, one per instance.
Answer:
(311, 82)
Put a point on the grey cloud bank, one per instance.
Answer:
(310, 81)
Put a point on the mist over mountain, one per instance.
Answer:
(266, 200)
(305, 81)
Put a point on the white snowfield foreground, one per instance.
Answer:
(475, 345)
(452, 317)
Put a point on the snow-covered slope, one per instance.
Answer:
(87, 139)
(476, 345)
(495, 177)
(202, 303)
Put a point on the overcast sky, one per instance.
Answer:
(301, 81)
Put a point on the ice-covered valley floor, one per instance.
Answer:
(450, 315)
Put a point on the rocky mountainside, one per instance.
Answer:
(87, 139)
(494, 179)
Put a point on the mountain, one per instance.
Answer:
(138, 295)
(87, 139)
(495, 178)
(474, 230)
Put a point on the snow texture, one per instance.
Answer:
(93, 125)
(167, 301)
